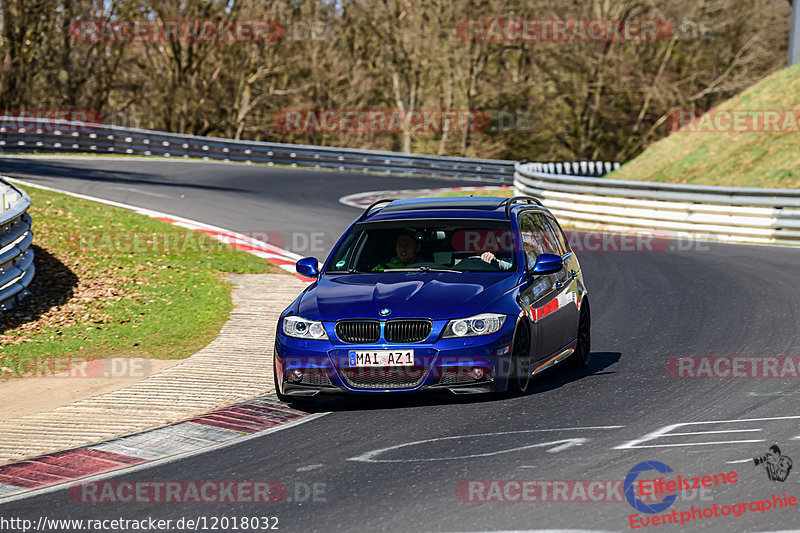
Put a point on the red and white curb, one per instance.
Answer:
(204, 433)
(217, 429)
(362, 200)
(277, 256)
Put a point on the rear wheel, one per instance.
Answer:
(580, 358)
(520, 375)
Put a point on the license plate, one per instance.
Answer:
(381, 357)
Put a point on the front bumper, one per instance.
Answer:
(440, 364)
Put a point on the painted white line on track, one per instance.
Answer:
(146, 193)
(690, 444)
(308, 468)
(561, 444)
(369, 456)
(161, 462)
(665, 432)
(569, 444)
(710, 432)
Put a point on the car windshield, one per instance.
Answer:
(426, 246)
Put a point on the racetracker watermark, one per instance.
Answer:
(203, 492)
(564, 30)
(172, 31)
(734, 367)
(487, 121)
(67, 120)
(560, 490)
(735, 121)
(149, 523)
(198, 31)
(75, 367)
(201, 241)
(380, 121)
(151, 492)
(644, 241)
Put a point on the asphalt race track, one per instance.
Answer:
(697, 299)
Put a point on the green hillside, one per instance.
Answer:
(708, 151)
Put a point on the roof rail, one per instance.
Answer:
(373, 204)
(509, 202)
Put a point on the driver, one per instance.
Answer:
(407, 247)
(490, 258)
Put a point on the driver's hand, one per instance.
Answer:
(488, 257)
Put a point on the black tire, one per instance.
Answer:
(519, 378)
(281, 397)
(289, 399)
(583, 347)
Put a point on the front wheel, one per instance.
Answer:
(282, 397)
(520, 374)
(580, 359)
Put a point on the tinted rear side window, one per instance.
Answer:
(539, 237)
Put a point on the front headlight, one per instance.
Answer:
(295, 326)
(483, 324)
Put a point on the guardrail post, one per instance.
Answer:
(794, 35)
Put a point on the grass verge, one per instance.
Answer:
(707, 152)
(111, 282)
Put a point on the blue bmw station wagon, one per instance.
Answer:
(466, 295)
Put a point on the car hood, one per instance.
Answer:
(422, 295)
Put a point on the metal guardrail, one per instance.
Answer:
(46, 135)
(737, 214)
(16, 255)
(574, 191)
(577, 168)
(26, 135)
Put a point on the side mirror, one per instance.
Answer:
(547, 264)
(308, 267)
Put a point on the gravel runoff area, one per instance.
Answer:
(236, 366)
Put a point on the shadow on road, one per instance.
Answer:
(556, 378)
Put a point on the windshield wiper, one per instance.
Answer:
(421, 269)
